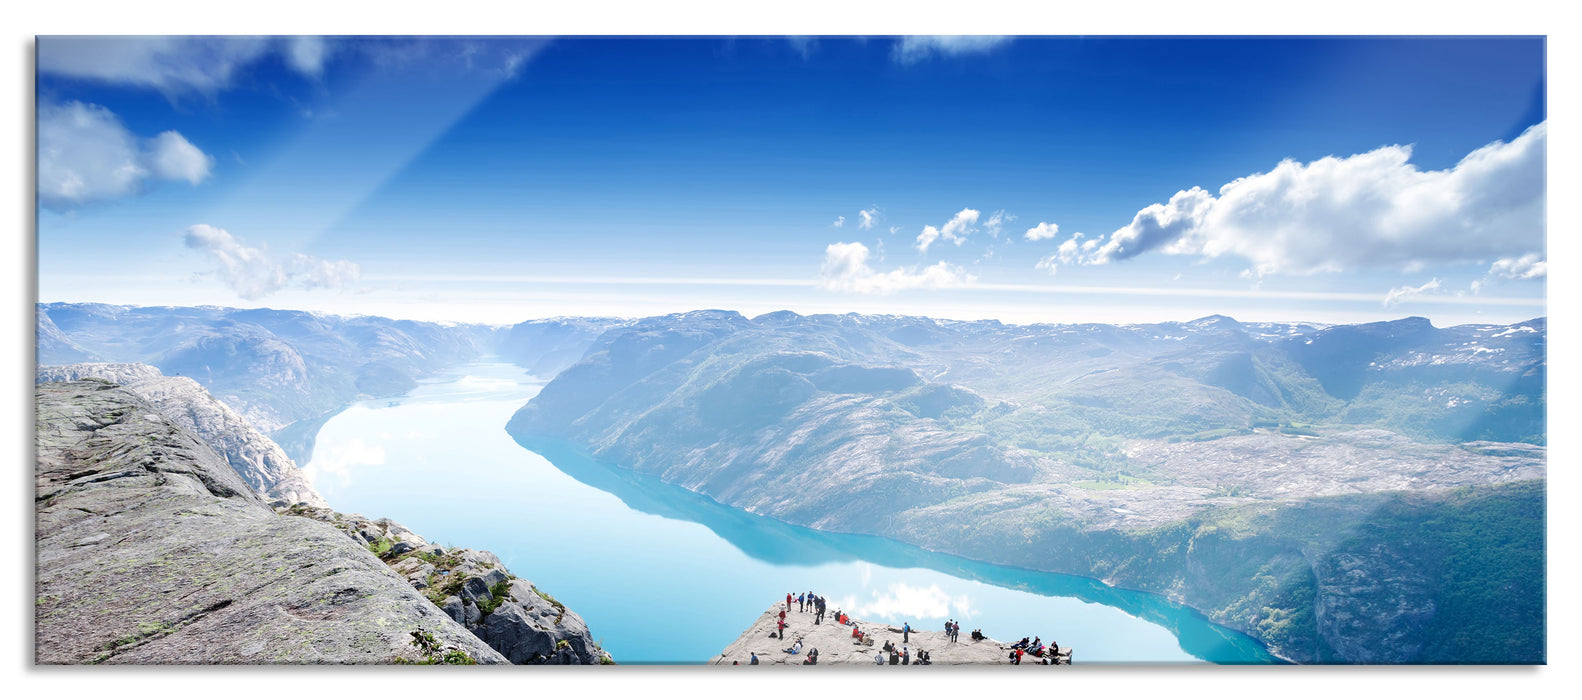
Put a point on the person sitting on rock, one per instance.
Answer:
(977, 636)
(754, 662)
(795, 648)
(856, 633)
(878, 659)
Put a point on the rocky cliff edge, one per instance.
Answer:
(150, 549)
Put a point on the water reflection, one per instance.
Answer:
(775, 542)
(622, 548)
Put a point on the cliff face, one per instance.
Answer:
(256, 458)
(509, 614)
(144, 577)
(151, 549)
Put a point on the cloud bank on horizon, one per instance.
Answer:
(254, 273)
(846, 269)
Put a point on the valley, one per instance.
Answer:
(1338, 493)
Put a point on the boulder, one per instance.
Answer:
(455, 609)
(532, 628)
(475, 590)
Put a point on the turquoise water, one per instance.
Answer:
(664, 575)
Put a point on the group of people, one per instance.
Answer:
(1048, 655)
(807, 602)
(891, 653)
(901, 656)
(952, 630)
(812, 654)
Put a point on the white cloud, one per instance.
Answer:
(171, 156)
(1399, 294)
(894, 230)
(907, 603)
(340, 460)
(306, 54)
(846, 269)
(253, 273)
(86, 155)
(956, 230)
(171, 64)
(911, 49)
(869, 216)
(1369, 210)
(840, 222)
(1047, 264)
(1070, 250)
(997, 220)
(1526, 267)
(1042, 231)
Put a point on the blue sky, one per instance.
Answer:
(497, 180)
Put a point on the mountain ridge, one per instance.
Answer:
(1087, 428)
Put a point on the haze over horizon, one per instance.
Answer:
(1026, 179)
(502, 317)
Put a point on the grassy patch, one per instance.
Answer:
(381, 546)
(497, 595)
(434, 654)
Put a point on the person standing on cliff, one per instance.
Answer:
(781, 630)
(906, 633)
(799, 604)
(788, 601)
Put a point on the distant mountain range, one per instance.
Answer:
(1348, 493)
(288, 371)
(1191, 459)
